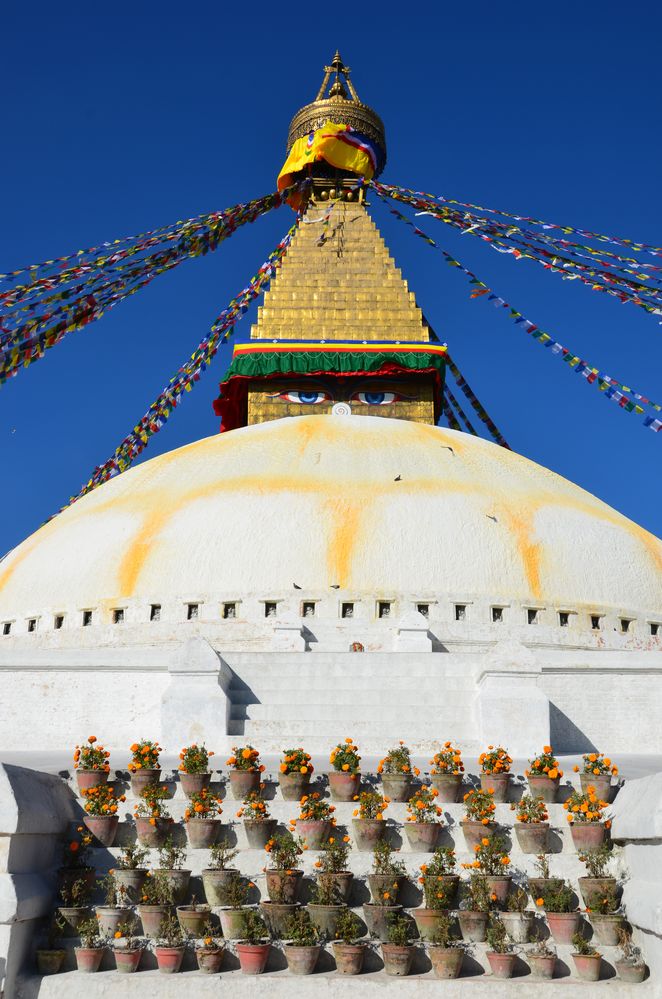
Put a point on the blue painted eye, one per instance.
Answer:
(304, 398)
(375, 398)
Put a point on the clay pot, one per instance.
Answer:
(499, 885)
(587, 836)
(88, 959)
(193, 783)
(446, 961)
(242, 782)
(210, 961)
(606, 927)
(448, 786)
(259, 832)
(342, 882)
(277, 915)
(67, 877)
(367, 832)
(49, 962)
(499, 784)
(179, 882)
(202, 833)
(131, 881)
(314, 832)
(325, 918)
(427, 921)
(602, 785)
(74, 915)
(343, 786)
(423, 836)
(193, 920)
(103, 827)
(398, 787)
(379, 883)
(377, 916)
(151, 916)
(634, 973)
(294, 786)
(588, 966)
(448, 884)
(542, 786)
(541, 965)
(502, 965)
(232, 923)
(253, 957)
(397, 960)
(110, 916)
(283, 886)
(538, 886)
(127, 961)
(518, 925)
(473, 925)
(301, 960)
(474, 831)
(216, 884)
(532, 836)
(563, 925)
(349, 957)
(169, 959)
(590, 887)
(142, 778)
(91, 778)
(154, 835)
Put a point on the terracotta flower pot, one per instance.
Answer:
(588, 966)
(423, 836)
(446, 961)
(74, 915)
(193, 920)
(342, 881)
(277, 915)
(210, 961)
(474, 831)
(518, 925)
(538, 886)
(542, 786)
(447, 884)
(103, 827)
(142, 778)
(259, 832)
(294, 786)
(532, 836)
(587, 836)
(91, 778)
(602, 785)
(542, 966)
(427, 921)
(448, 786)
(563, 925)
(127, 961)
(377, 918)
(169, 959)
(110, 916)
(398, 787)
(151, 916)
(253, 957)
(301, 960)
(592, 887)
(379, 883)
(242, 782)
(179, 883)
(343, 786)
(202, 833)
(473, 925)
(153, 832)
(193, 783)
(397, 960)
(606, 927)
(502, 965)
(131, 881)
(499, 885)
(283, 886)
(634, 973)
(499, 784)
(216, 885)
(314, 832)
(88, 959)
(49, 962)
(367, 832)
(325, 917)
(349, 957)
(232, 923)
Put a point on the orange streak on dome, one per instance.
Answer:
(344, 538)
(139, 549)
(531, 552)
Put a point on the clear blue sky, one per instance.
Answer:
(119, 118)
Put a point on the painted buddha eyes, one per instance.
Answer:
(375, 398)
(305, 398)
(315, 397)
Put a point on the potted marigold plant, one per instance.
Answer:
(369, 824)
(131, 872)
(587, 959)
(315, 821)
(302, 948)
(209, 951)
(91, 764)
(445, 952)
(597, 771)
(542, 958)
(156, 901)
(202, 819)
(170, 945)
(495, 772)
(606, 919)
(345, 778)
(194, 773)
(101, 816)
(325, 906)
(500, 949)
(597, 880)
(153, 820)
(630, 967)
(439, 873)
(348, 948)
(217, 876)
(478, 821)
(127, 949)
(387, 874)
(232, 917)
(428, 916)
(246, 772)
(171, 866)
(92, 946)
(397, 773)
(283, 874)
(422, 822)
(544, 775)
(295, 773)
(491, 860)
(258, 824)
(144, 765)
(532, 826)
(51, 957)
(254, 948)
(193, 917)
(539, 884)
(75, 897)
(517, 919)
(563, 917)
(447, 769)
(332, 866)
(475, 908)
(75, 864)
(588, 824)
(398, 951)
(115, 910)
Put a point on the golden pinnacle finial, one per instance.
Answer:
(341, 78)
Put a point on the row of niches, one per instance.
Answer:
(367, 611)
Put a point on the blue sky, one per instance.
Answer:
(122, 118)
